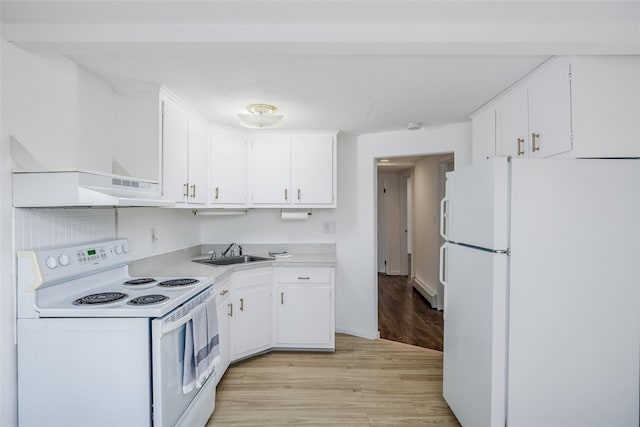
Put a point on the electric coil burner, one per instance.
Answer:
(147, 299)
(140, 281)
(101, 298)
(175, 283)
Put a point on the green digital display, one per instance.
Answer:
(91, 252)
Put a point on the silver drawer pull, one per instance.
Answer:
(304, 277)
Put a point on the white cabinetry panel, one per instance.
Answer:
(271, 169)
(198, 161)
(175, 136)
(312, 169)
(228, 169)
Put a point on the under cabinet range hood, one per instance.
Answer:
(83, 189)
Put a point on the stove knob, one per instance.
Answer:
(63, 260)
(51, 262)
(118, 250)
(125, 248)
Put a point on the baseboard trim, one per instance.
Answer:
(425, 291)
(360, 334)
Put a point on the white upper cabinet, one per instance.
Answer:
(198, 161)
(512, 125)
(185, 142)
(550, 111)
(484, 135)
(536, 121)
(312, 169)
(271, 169)
(585, 106)
(228, 168)
(175, 136)
(293, 170)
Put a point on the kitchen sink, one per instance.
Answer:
(243, 259)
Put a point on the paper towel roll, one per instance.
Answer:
(294, 215)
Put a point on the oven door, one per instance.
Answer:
(172, 407)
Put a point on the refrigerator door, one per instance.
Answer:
(476, 209)
(574, 330)
(475, 335)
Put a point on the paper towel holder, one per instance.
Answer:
(294, 214)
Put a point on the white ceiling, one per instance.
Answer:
(359, 66)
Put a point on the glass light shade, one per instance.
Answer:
(258, 121)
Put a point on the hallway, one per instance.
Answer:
(405, 316)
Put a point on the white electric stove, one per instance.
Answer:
(91, 339)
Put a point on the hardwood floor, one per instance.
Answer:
(404, 315)
(364, 383)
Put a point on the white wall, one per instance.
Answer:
(426, 223)
(356, 293)
(265, 226)
(174, 228)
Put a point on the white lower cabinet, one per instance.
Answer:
(251, 312)
(305, 313)
(223, 310)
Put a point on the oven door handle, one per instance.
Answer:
(175, 325)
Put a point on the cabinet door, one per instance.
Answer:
(483, 133)
(228, 169)
(251, 328)
(175, 136)
(512, 125)
(304, 315)
(198, 161)
(550, 111)
(224, 333)
(271, 170)
(312, 169)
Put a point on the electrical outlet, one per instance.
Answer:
(329, 227)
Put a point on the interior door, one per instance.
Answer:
(475, 335)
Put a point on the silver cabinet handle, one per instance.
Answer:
(286, 194)
(520, 146)
(185, 189)
(241, 304)
(304, 277)
(281, 298)
(230, 313)
(217, 193)
(535, 136)
(299, 194)
(193, 191)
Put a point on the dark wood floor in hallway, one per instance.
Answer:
(405, 316)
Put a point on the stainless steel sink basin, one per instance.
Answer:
(243, 259)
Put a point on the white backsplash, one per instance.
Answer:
(40, 228)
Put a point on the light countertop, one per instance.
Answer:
(186, 267)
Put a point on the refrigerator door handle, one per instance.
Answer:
(442, 249)
(443, 218)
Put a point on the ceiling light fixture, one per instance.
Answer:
(260, 116)
(383, 161)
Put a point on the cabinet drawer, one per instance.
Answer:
(315, 275)
(253, 277)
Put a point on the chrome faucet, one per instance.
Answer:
(224, 253)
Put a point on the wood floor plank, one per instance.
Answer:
(363, 383)
(405, 316)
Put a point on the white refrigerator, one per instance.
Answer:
(541, 269)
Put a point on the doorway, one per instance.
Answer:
(410, 296)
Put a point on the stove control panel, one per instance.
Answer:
(64, 263)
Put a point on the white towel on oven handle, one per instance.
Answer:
(202, 351)
(212, 333)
